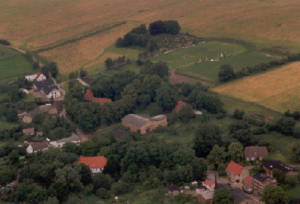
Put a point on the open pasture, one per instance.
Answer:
(209, 71)
(277, 89)
(211, 50)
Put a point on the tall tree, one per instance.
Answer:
(217, 156)
(296, 151)
(222, 196)
(273, 194)
(166, 98)
(226, 73)
(235, 151)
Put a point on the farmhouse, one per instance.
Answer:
(260, 181)
(56, 107)
(144, 123)
(47, 88)
(89, 97)
(39, 77)
(255, 153)
(29, 117)
(35, 147)
(28, 131)
(236, 172)
(59, 143)
(85, 81)
(96, 164)
(270, 165)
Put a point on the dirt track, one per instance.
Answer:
(179, 78)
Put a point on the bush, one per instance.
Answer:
(103, 193)
(121, 188)
(258, 131)
(166, 129)
(255, 119)
(238, 114)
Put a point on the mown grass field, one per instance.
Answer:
(189, 55)
(277, 89)
(209, 71)
(34, 24)
(6, 125)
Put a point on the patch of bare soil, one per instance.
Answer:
(179, 78)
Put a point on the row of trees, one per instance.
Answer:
(116, 62)
(75, 74)
(227, 72)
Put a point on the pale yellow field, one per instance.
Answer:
(278, 89)
(32, 24)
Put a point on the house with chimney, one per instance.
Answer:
(96, 164)
(255, 153)
(270, 165)
(47, 88)
(260, 181)
(144, 123)
(236, 173)
(89, 97)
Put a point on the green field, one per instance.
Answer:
(5, 125)
(209, 71)
(189, 55)
(12, 65)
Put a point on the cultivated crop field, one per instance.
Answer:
(40, 24)
(277, 89)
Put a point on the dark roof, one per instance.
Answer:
(28, 130)
(118, 132)
(256, 152)
(38, 145)
(274, 164)
(87, 80)
(261, 177)
(47, 85)
(140, 120)
(58, 105)
(172, 188)
(34, 112)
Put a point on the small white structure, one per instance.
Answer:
(194, 183)
(59, 143)
(39, 77)
(197, 112)
(210, 185)
(31, 77)
(25, 91)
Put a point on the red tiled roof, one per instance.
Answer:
(209, 182)
(28, 130)
(93, 162)
(88, 96)
(179, 105)
(248, 179)
(39, 74)
(102, 100)
(235, 168)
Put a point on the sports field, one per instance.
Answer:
(209, 50)
(208, 71)
(34, 24)
(277, 89)
(12, 65)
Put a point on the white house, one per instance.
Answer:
(31, 77)
(39, 77)
(35, 147)
(96, 164)
(47, 88)
(59, 143)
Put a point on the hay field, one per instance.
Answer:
(33, 24)
(278, 89)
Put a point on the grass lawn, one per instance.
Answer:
(14, 66)
(280, 142)
(279, 157)
(3, 96)
(294, 193)
(209, 71)
(6, 125)
(209, 49)
(6, 52)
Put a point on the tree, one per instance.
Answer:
(83, 73)
(226, 73)
(199, 169)
(103, 193)
(296, 151)
(102, 181)
(160, 69)
(109, 62)
(39, 119)
(279, 176)
(121, 188)
(285, 126)
(235, 151)
(206, 137)
(14, 157)
(88, 148)
(70, 147)
(52, 68)
(222, 196)
(222, 169)
(217, 156)
(238, 114)
(296, 132)
(166, 98)
(172, 27)
(273, 194)
(157, 27)
(186, 113)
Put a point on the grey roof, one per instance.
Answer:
(73, 137)
(274, 164)
(262, 177)
(87, 80)
(47, 85)
(140, 120)
(39, 133)
(34, 112)
(172, 188)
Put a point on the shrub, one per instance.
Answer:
(103, 193)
